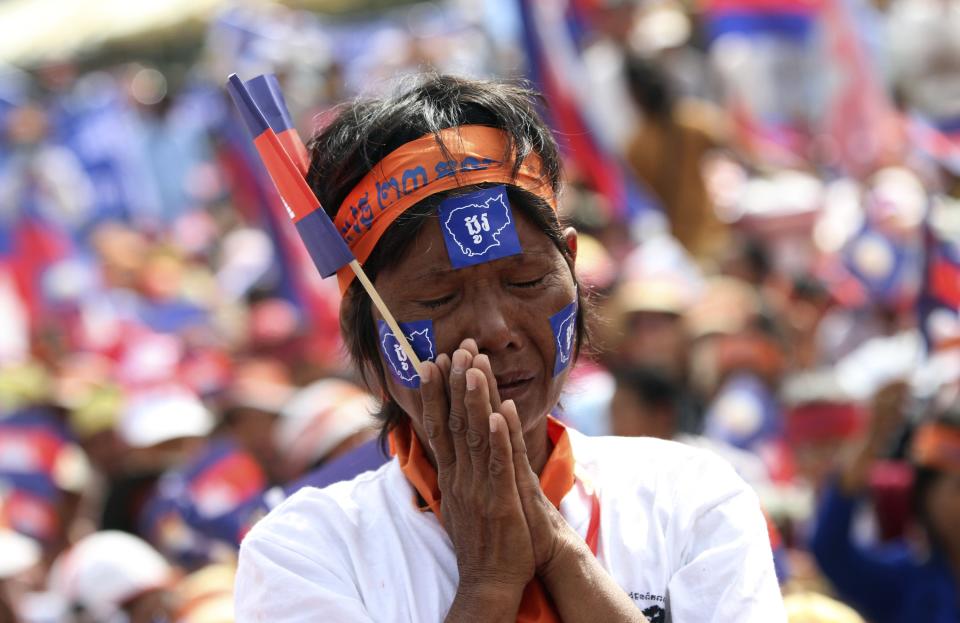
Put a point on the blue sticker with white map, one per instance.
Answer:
(478, 227)
(564, 325)
(420, 335)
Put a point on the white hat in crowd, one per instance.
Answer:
(161, 414)
(320, 417)
(104, 570)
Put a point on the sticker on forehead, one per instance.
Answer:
(478, 227)
(420, 336)
(564, 325)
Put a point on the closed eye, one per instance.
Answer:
(528, 284)
(434, 303)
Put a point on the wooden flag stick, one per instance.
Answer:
(306, 197)
(387, 316)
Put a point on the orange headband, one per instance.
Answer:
(937, 446)
(418, 169)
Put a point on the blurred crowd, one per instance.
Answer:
(779, 283)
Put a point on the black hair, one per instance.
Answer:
(366, 131)
(649, 86)
(806, 287)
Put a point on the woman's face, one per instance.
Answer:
(504, 305)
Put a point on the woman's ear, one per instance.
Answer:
(570, 236)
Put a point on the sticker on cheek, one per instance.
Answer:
(564, 326)
(420, 336)
(478, 227)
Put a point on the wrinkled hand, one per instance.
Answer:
(481, 505)
(548, 529)
(549, 532)
(503, 528)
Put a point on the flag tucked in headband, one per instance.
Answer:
(327, 249)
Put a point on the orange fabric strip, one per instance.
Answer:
(474, 154)
(556, 480)
(937, 446)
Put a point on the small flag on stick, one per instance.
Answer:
(265, 91)
(326, 247)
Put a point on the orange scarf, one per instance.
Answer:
(556, 480)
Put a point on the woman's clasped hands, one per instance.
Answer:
(503, 528)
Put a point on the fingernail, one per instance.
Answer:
(471, 382)
(459, 362)
(493, 423)
(425, 375)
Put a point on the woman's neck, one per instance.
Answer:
(538, 447)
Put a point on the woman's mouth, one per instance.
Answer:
(512, 386)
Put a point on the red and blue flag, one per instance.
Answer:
(939, 141)
(327, 249)
(32, 444)
(266, 94)
(256, 198)
(191, 502)
(788, 19)
(938, 305)
(231, 527)
(552, 30)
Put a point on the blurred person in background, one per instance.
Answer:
(747, 258)
(810, 607)
(41, 179)
(114, 576)
(252, 404)
(647, 316)
(917, 580)
(641, 327)
(820, 422)
(805, 307)
(667, 153)
(648, 403)
(925, 73)
(640, 324)
(160, 427)
(206, 595)
(43, 471)
(644, 404)
(736, 364)
(323, 421)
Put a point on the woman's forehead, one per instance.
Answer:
(429, 255)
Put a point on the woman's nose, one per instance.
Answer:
(493, 323)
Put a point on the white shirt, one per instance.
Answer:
(679, 532)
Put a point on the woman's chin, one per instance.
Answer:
(533, 413)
